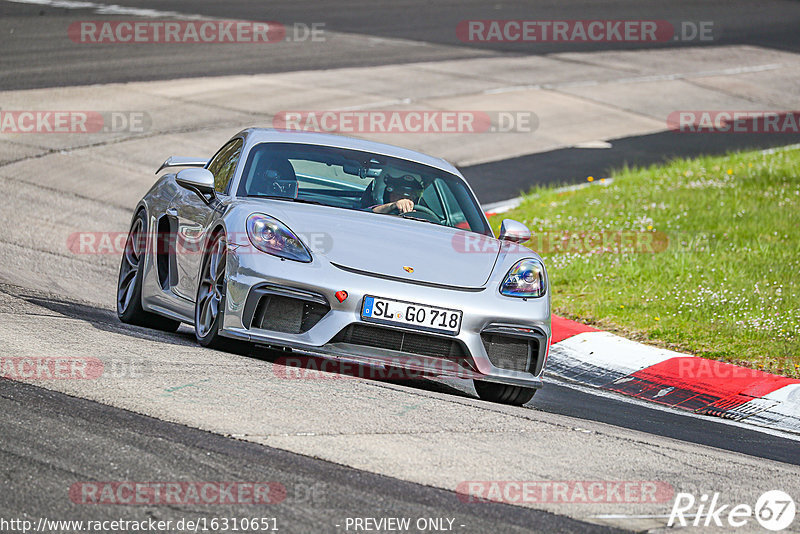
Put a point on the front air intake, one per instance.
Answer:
(285, 310)
(513, 351)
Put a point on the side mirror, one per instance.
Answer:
(200, 180)
(514, 231)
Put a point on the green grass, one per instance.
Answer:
(723, 280)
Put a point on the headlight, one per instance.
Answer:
(271, 236)
(525, 279)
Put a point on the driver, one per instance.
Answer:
(401, 194)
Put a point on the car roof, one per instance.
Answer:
(270, 135)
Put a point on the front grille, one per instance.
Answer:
(400, 341)
(289, 315)
(511, 353)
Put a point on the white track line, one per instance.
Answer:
(109, 9)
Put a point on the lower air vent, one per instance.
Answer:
(400, 341)
(511, 353)
(289, 315)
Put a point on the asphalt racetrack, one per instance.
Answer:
(345, 447)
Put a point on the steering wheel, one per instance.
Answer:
(426, 213)
(423, 209)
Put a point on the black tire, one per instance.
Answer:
(129, 283)
(209, 303)
(503, 393)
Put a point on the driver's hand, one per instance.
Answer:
(404, 205)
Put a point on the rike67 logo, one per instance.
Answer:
(774, 510)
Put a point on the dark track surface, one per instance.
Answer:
(52, 441)
(770, 23)
(506, 179)
(560, 399)
(38, 53)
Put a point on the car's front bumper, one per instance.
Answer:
(487, 317)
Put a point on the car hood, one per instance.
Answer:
(387, 245)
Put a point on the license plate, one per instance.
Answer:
(419, 316)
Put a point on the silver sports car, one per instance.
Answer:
(343, 249)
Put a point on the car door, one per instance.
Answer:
(192, 215)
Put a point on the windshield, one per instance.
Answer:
(356, 180)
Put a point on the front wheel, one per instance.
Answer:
(210, 301)
(503, 393)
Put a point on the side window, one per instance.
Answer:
(224, 164)
(453, 211)
(430, 199)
